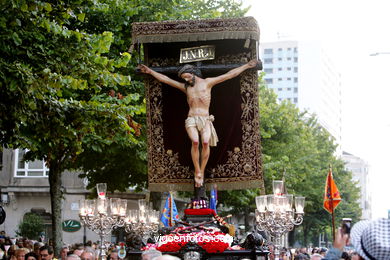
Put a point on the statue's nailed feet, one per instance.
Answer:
(198, 179)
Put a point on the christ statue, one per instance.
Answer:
(199, 123)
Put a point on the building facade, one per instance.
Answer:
(360, 171)
(302, 73)
(24, 188)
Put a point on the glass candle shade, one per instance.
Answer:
(102, 205)
(101, 189)
(142, 216)
(82, 208)
(90, 206)
(114, 206)
(289, 202)
(280, 203)
(142, 205)
(261, 203)
(277, 187)
(122, 208)
(299, 204)
(270, 203)
(133, 216)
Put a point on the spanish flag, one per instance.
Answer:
(332, 196)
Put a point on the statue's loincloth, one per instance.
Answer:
(200, 122)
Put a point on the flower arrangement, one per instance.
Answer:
(210, 239)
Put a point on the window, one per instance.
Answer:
(295, 90)
(289, 89)
(296, 59)
(289, 58)
(35, 168)
(288, 68)
(280, 69)
(295, 100)
(288, 78)
(268, 51)
(269, 81)
(268, 70)
(279, 59)
(280, 89)
(280, 79)
(289, 49)
(295, 49)
(295, 80)
(295, 69)
(280, 49)
(268, 61)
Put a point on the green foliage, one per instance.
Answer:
(294, 142)
(30, 227)
(66, 88)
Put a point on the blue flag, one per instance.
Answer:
(213, 200)
(169, 214)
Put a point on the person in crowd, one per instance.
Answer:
(370, 239)
(31, 256)
(78, 249)
(11, 252)
(73, 257)
(46, 252)
(88, 254)
(36, 247)
(20, 253)
(316, 256)
(166, 257)
(303, 255)
(322, 251)
(113, 255)
(64, 253)
(150, 254)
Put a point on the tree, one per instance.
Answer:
(31, 226)
(54, 85)
(65, 85)
(295, 143)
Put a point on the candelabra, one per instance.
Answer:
(142, 221)
(94, 214)
(275, 213)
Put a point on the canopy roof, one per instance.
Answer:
(195, 30)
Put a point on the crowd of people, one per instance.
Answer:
(370, 241)
(25, 249)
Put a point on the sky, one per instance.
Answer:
(349, 31)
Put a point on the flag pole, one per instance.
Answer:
(331, 206)
(333, 222)
(171, 209)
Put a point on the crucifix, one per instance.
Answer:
(199, 123)
(206, 53)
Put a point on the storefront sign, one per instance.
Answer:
(71, 225)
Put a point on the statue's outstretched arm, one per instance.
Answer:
(231, 73)
(162, 78)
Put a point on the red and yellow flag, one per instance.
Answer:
(332, 196)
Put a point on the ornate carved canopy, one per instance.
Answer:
(236, 162)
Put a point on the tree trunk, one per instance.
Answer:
(246, 219)
(56, 202)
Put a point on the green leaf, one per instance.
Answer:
(81, 17)
(16, 39)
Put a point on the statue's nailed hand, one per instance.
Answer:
(144, 69)
(253, 63)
